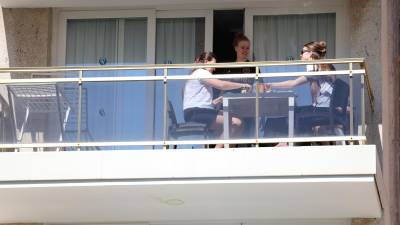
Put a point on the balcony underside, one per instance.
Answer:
(189, 185)
(194, 200)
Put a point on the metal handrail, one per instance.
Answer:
(173, 77)
(179, 66)
(80, 79)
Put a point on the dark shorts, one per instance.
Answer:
(308, 120)
(200, 115)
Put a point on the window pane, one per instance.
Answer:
(135, 40)
(179, 39)
(282, 37)
(91, 41)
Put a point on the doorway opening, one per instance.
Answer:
(226, 24)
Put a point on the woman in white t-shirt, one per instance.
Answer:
(198, 105)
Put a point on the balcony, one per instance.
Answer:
(101, 141)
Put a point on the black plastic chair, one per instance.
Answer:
(177, 130)
(335, 115)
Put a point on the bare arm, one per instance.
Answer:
(289, 83)
(225, 85)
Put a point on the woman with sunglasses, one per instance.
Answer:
(321, 86)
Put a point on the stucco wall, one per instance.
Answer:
(28, 36)
(365, 41)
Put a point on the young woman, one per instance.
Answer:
(198, 105)
(241, 45)
(321, 86)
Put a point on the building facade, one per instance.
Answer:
(299, 185)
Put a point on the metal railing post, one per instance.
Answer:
(363, 128)
(257, 107)
(351, 99)
(78, 138)
(165, 103)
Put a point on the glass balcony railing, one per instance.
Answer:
(141, 106)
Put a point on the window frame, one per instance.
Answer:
(340, 9)
(64, 16)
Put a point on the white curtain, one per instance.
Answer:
(135, 40)
(282, 37)
(89, 41)
(112, 113)
(179, 39)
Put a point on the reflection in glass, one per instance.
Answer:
(41, 112)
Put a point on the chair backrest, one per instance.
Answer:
(171, 114)
(340, 95)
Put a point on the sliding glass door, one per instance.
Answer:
(132, 111)
(111, 109)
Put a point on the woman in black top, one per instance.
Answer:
(242, 48)
(241, 45)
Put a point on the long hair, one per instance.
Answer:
(316, 55)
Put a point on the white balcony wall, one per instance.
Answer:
(190, 185)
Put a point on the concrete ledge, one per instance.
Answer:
(181, 164)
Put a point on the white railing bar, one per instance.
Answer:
(318, 73)
(131, 78)
(39, 80)
(185, 142)
(176, 77)
(215, 76)
(279, 74)
(180, 66)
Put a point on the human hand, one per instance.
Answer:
(260, 88)
(267, 87)
(246, 88)
(217, 101)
